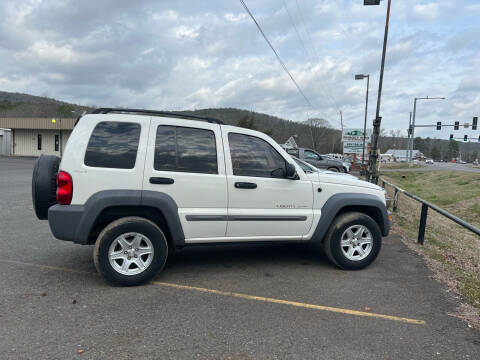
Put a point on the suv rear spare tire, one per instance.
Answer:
(44, 184)
(353, 241)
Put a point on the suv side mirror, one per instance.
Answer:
(291, 172)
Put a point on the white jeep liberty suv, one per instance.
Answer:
(138, 184)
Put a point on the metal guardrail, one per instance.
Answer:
(424, 213)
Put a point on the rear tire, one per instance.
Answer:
(353, 241)
(44, 184)
(130, 251)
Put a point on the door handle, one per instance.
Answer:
(245, 185)
(161, 180)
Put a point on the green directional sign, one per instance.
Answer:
(354, 133)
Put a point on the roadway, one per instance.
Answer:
(221, 302)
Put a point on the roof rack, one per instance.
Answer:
(157, 113)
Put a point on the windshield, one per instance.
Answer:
(305, 166)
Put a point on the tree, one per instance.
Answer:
(420, 145)
(317, 128)
(474, 155)
(452, 149)
(65, 110)
(435, 152)
(247, 122)
(397, 139)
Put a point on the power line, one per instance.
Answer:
(296, 30)
(276, 54)
(315, 52)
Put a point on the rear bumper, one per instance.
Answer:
(65, 222)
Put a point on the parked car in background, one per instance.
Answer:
(319, 161)
(429, 161)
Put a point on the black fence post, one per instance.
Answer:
(383, 184)
(395, 200)
(423, 223)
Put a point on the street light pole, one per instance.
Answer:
(360, 77)
(372, 171)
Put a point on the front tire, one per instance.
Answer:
(130, 251)
(334, 169)
(353, 241)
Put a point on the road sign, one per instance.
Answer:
(353, 148)
(353, 140)
(356, 135)
(290, 143)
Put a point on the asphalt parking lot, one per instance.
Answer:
(223, 302)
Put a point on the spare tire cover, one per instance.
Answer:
(44, 184)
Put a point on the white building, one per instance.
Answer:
(36, 136)
(402, 155)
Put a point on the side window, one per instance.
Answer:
(113, 145)
(185, 149)
(310, 155)
(252, 156)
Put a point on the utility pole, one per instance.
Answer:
(372, 171)
(410, 155)
(311, 135)
(408, 134)
(341, 125)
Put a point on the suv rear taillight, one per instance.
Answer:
(64, 188)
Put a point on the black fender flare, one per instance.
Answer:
(75, 222)
(339, 201)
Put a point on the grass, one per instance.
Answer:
(456, 249)
(398, 165)
(444, 189)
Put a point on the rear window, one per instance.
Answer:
(113, 145)
(185, 149)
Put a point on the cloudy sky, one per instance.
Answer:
(199, 54)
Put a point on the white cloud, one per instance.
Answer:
(184, 54)
(44, 51)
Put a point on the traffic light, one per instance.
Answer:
(439, 125)
(451, 136)
(465, 137)
(457, 125)
(475, 122)
(410, 130)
